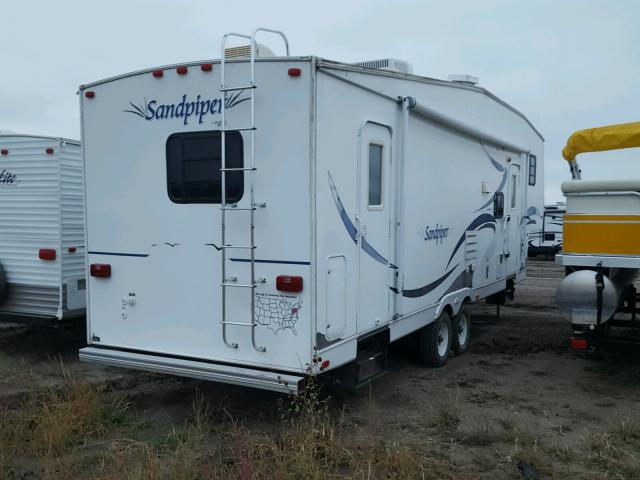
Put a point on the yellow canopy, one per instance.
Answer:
(613, 137)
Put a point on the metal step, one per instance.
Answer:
(241, 129)
(370, 366)
(235, 89)
(239, 285)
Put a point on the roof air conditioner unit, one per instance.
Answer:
(390, 64)
(244, 51)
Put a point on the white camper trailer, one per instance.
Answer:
(254, 220)
(545, 237)
(42, 257)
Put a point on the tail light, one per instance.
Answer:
(579, 343)
(289, 283)
(100, 270)
(47, 254)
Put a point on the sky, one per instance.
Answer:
(565, 64)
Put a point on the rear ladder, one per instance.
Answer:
(232, 282)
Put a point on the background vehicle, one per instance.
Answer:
(601, 251)
(545, 238)
(42, 257)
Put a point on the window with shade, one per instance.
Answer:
(194, 160)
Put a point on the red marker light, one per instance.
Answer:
(289, 283)
(100, 270)
(71, 250)
(90, 94)
(579, 343)
(4, 151)
(182, 70)
(47, 254)
(158, 73)
(49, 151)
(324, 365)
(294, 72)
(206, 67)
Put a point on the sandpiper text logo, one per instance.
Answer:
(8, 178)
(437, 233)
(185, 109)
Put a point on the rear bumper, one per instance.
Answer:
(246, 377)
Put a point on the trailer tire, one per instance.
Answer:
(3, 282)
(461, 328)
(434, 342)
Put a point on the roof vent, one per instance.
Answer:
(390, 64)
(244, 51)
(465, 79)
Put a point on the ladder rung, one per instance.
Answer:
(240, 285)
(235, 89)
(246, 247)
(239, 169)
(238, 208)
(241, 129)
(240, 323)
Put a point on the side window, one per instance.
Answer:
(532, 169)
(193, 167)
(375, 175)
(498, 205)
(514, 193)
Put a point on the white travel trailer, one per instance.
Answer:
(42, 257)
(256, 220)
(545, 237)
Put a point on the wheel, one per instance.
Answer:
(3, 281)
(434, 342)
(461, 327)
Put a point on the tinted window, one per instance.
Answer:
(514, 193)
(532, 169)
(498, 205)
(193, 167)
(375, 175)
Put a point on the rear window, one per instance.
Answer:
(193, 167)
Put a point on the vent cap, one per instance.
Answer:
(391, 64)
(465, 79)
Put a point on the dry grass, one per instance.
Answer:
(311, 444)
(448, 414)
(77, 432)
(617, 451)
(55, 422)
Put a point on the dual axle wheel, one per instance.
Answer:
(437, 339)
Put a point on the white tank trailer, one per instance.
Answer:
(601, 252)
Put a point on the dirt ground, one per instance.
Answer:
(518, 395)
